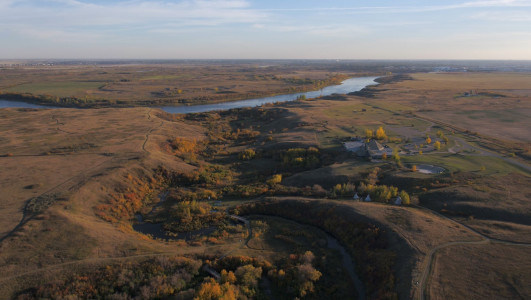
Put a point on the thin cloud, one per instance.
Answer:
(505, 16)
(409, 9)
(76, 13)
(61, 20)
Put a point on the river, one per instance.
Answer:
(19, 104)
(347, 86)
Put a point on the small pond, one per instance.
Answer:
(429, 169)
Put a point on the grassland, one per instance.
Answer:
(59, 89)
(74, 180)
(156, 85)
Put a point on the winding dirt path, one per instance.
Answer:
(150, 131)
(81, 177)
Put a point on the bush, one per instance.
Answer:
(275, 179)
(405, 197)
(247, 154)
(341, 190)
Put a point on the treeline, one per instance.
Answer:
(63, 101)
(366, 242)
(185, 216)
(157, 278)
(120, 207)
(183, 278)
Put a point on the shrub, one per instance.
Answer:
(405, 197)
(275, 179)
(247, 154)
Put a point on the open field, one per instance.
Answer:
(74, 183)
(503, 276)
(157, 84)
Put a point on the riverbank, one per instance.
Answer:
(30, 101)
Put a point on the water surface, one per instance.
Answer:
(19, 104)
(347, 86)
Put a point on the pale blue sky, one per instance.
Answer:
(303, 29)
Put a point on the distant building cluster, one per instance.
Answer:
(372, 149)
(396, 201)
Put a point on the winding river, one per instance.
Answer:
(347, 86)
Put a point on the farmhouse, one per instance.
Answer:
(372, 149)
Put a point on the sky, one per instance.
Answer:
(265, 29)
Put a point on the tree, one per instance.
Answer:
(428, 140)
(405, 197)
(380, 133)
(384, 156)
(307, 257)
(227, 276)
(414, 168)
(211, 290)
(396, 156)
(248, 275)
(368, 134)
(306, 275)
(437, 145)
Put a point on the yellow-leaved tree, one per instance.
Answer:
(368, 134)
(380, 133)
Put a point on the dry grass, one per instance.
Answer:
(418, 231)
(84, 155)
(158, 84)
(481, 272)
(47, 160)
(439, 96)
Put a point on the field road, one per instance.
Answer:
(483, 152)
(150, 131)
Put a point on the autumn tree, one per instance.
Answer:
(368, 134)
(428, 140)
(306, 274)
(228, 276)
(211, 290)
(405, 197)
(396, 156)
(437, 145)
(414, 168)
(248, 275)
(380, 133)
